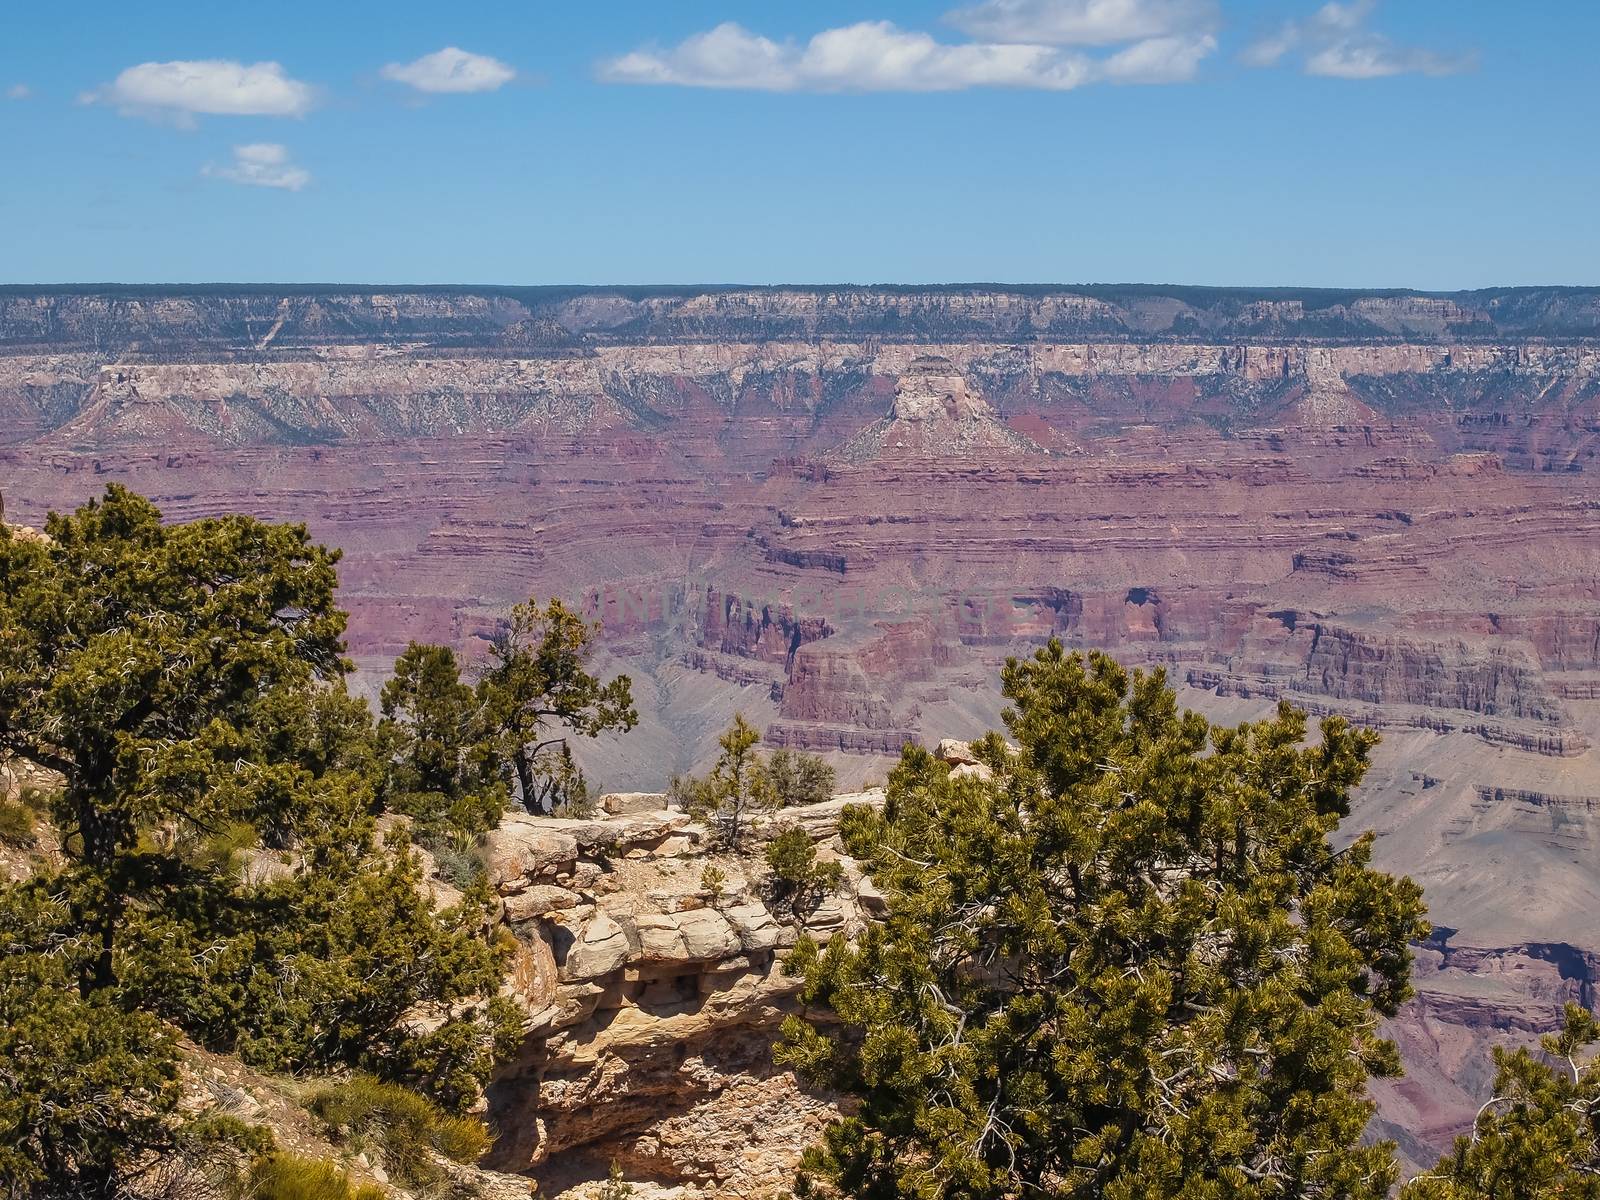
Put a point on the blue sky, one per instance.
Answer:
(1427, 143)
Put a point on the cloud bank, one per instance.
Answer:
(878, 56)
(1084, 22)
(451, 70)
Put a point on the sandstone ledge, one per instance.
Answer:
(651, 1002)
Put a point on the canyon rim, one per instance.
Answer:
(836, 510)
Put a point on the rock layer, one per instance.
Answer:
(653, 1000)
(839, 509)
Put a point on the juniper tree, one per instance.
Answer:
(186, 682)
(537, 692)
(440, 768)
(141, 662)
(796, 879)
(86, 1089)
(1132, 964)
(1538, 1135)
(737, 789)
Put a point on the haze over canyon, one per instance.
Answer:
(837, 509)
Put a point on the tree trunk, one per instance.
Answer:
(524, 765)
(101, 917)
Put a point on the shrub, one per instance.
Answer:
(406, 1128)
(450, 1063)
(737, 790)
(713, 879)
(284, 1176)
(795, 877)
(459, 868)
(800, 778)
(686, 793)
(615, 1187)
(86, 1090)
(18, 825)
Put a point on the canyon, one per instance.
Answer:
(838, 510)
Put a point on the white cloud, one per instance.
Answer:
(261, 164)
(1159, 60)
(879, 56)
(19, 91)
(1268, 51)
(1374, 57)
(178, 91)
(451, 70)
(1084, 22)
(1335, 42)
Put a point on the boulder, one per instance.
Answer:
(604, 837)
(707, 935)
(821, 820)
(832, 915)
(956, 753)
(754, 925)
(623, 803)
(660, 939)
(602, 947)
(872, 900)
(675, 845)
(538, 901)
(526, 850)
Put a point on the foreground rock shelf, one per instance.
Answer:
(652, 1001)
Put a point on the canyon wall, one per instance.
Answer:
(839, 509)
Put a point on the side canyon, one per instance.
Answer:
(837, 510)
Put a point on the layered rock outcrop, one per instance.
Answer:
(838, 509)
(654, 991)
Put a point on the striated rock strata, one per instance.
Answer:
(653, 1000)
(838, 509)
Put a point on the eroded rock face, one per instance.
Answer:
(937, 414)
(934, 389)
(652, 1003)
(839, 510)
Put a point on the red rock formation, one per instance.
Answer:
(840, 509)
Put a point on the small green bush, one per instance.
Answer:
(457, 867)
(284, 1176)
(615, 1187)
(223, 851)
(18, 825)
(406, 1127)
(713, 880)
(795, 878)
(800, 778)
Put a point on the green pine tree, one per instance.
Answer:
(1132, 965)
(1538, 1136)
(222, 874)
(147, 664)
(86, 1089)
(538, 692)
(440, 769)
(737, 790)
